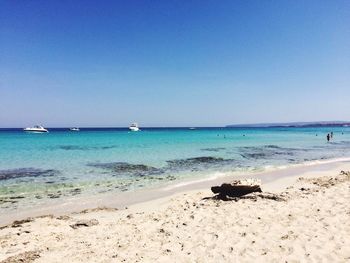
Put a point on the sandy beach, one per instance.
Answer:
(174, 131)
(302, 218)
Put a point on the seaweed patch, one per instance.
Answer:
(266, 152)
(123, 168)
(84, 148)
(197, 163)
(27, 172)
(214, 149)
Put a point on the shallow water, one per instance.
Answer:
(37, 168)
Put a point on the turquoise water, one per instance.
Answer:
(37, 168)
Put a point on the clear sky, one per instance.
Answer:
(173, 63)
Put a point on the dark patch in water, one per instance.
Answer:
(197, 163)
(123, 168)
(171, 177)
(190, 164)
(195, 160)
(16, 197)
(213, 149)
(54, 196)
(255, 155)
(267, 152)
(84, 148)
(73, 148)
(26, 172)
(75, 191)
(3, 201)
(272, 146)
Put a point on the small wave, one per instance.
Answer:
(252, 170)
(327, 161)
(185, 183)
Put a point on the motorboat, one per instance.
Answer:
(36, 129)
(74, 129)
(134, 127)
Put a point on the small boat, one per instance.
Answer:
(134, 127)
(36, 129)
(74, 129)
(192, 128)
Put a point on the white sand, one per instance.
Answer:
(309, 225)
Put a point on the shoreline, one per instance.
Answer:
(272, 181)
(290, 221)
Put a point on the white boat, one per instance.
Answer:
(74, 129)
(134, 127)
(36, 129)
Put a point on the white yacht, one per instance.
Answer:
(36, 129)
(74, 129)
(134, 127)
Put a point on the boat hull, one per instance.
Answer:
(36, 131)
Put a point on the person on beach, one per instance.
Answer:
(328, 137)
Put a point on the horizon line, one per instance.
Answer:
(247, 125)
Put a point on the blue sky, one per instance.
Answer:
(173, 63)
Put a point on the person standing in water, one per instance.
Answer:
(331, 135)
(328, 137)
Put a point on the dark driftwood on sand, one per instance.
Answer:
(235, 190)
(84, 223)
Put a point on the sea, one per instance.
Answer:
(36, 169)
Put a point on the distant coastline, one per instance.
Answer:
(293, 124)
(253, 125)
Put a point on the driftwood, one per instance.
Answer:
(84, 223)
(237, 188)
